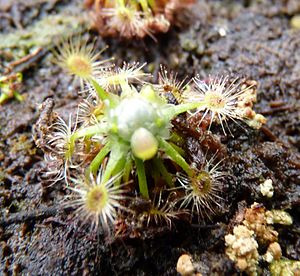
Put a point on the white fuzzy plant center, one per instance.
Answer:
(137, 121)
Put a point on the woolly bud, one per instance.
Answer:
(143, 144)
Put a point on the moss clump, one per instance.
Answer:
(285, 267)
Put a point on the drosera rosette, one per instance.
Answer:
(136, 19)
(133, 129)
(124, 127)
(125, 20)
(223, 100)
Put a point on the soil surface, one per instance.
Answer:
(247, 38)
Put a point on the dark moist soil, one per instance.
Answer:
(39, 238)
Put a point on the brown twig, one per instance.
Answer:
(269, 133)
(277, 109)
(25, 62)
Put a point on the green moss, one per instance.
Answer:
(23, 144)
(9, 86)
(42, 33)
(285, 267)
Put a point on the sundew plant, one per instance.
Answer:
(129, 19)
(121, 147)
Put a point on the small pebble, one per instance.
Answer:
(273, 252)
(295, 22)
(267, 188)
(185, 266)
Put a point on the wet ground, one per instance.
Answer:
(244, 38)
